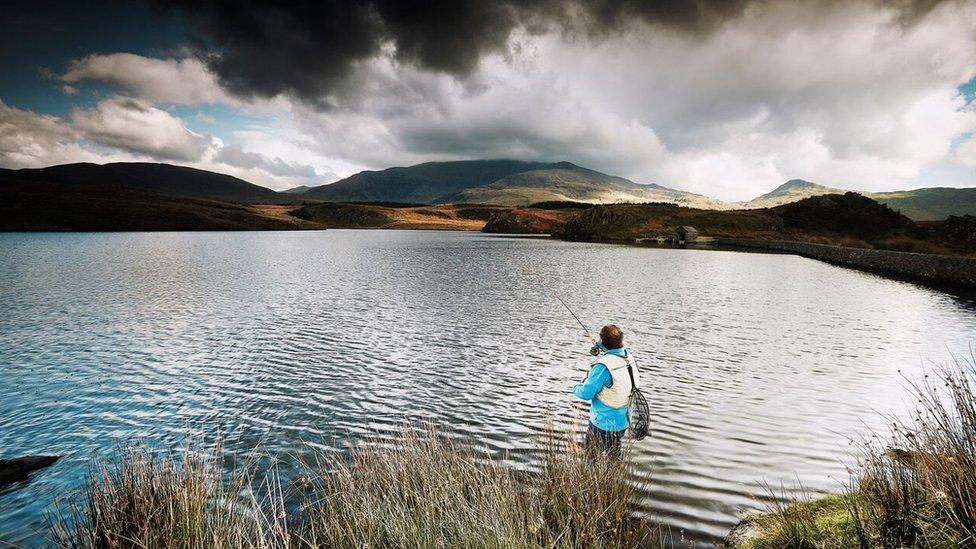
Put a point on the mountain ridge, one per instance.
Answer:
(505, 182)
(151, 177)
(499, 181)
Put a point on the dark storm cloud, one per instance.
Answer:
(307, 48)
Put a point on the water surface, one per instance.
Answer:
(759, 368)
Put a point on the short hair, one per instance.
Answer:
(612, 337)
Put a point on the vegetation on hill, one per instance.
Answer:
(153, 177)
(419, 491)
(959, 229)
(934, 203)
(845, 215)
(930, 204)
(848, 219)
(526, 221)
(916, 488)
(69, 207)
(626, 222)
(791, 191)
(501, 182)
(506, 182)
(424, 183)
(297, 190)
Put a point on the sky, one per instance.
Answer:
(724, 98)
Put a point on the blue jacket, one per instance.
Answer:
(602, 416)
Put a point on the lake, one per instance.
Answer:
(759, 368)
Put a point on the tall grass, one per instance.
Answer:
(916, 488)
(421, 491)
(144, 499)
(920, 488)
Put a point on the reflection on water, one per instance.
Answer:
(759, 367)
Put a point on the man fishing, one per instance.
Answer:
(609, 387)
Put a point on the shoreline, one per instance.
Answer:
(953, 271)
(949, 273)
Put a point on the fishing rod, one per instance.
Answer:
(568, 308)
(580, 322)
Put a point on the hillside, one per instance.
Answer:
(426, 183)
(501, 182)
(935, 203)
(152, 177)
(568, 182)
(527, 221)
(791, 191)
(72, 207)
(297, 190)
(846, 219)
(505, 182)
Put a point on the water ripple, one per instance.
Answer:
(760, 368)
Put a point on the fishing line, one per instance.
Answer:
(542, 282)
(638, 412)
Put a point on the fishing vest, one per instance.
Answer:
(618, 396)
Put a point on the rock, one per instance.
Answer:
(15, 470)
(745, 530)
(523, 221)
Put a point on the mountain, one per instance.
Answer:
(296, 190)
(45, 206)
(152, 177)
(426, 183)
(791, 191)
(929, 204)
(934, 203)
(569, 182)
(501, 182)
(506, 182)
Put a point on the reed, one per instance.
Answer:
(420, 491)
(916, 488)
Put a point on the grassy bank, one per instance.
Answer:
(917, 488)
(421, 491)
(849, 220)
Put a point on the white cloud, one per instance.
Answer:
(846, 96)
(132, 125)
(178, 81)
(843, 94)
(31, 140)
(125, 130)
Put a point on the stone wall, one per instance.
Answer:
(940, 269)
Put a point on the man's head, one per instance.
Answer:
(612, 337)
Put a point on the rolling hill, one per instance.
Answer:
(296, 190)
(151, 177)
(506, 182)
(848, 219)
(43, 206)
(569, 182)
(928, 204)
(426, 183)
(499, 182)
(791, 191)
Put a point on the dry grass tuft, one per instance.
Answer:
(917, 489)
(422, 491)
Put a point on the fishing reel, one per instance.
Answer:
(595, 350)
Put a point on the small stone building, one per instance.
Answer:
(685, 234)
